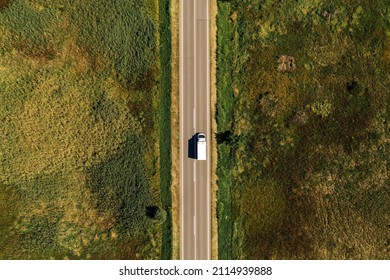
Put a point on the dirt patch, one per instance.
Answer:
(4, 4)
(328, 15)
(301, 117)
(233, 16)
(286, 63)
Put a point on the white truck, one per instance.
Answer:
(201, 146)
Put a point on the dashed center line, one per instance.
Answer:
(194, 118)
(194, 177)
(195, 225)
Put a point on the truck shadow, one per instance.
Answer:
(192, 146)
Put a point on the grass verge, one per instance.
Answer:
(165, 125)
(214, 148)
(224, 116)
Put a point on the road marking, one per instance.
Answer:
(195, 237)
(194, 123)
(193, 168)
(194, 66)
(183, 139)
(194, 226)
(194, 187)
(194, 119)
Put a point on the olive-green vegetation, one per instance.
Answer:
(303, 129)
(80, 130)
(224, 117)
(165, 125)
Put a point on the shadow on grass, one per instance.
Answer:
(4, 4)
(122, 187)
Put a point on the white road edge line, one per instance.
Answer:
(195, 120)
(194, 65)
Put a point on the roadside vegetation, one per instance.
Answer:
(81, 115)
(224, 116)
(302, 129)
(165, 126)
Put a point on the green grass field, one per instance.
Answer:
(303, 143)
(80, 111)
(165, 126)
(225, 120)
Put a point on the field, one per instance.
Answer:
(81, 117)
(303, 145)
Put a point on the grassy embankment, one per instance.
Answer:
(80, 112)
(165, 124)
(308, 146)
(225, 121)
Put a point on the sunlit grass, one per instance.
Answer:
(309, 145)
(79, 101)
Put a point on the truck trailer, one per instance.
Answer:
(201, 146)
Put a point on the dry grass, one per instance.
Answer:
(175, 125)
(214, 152)
(40, 143)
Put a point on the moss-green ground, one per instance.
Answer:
(303, 154)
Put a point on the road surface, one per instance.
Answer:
(194, 117)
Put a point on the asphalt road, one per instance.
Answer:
(194, 118)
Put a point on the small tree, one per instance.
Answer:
(156, 214)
